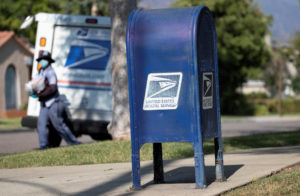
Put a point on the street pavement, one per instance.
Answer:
(241, 167)
(18, 141)
(25, 140)
(259, 125)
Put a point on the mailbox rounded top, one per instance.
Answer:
(173, 36)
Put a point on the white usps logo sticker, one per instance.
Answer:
(207, 90)
(162, 91)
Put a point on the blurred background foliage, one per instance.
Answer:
(241, 28)
(14, 12)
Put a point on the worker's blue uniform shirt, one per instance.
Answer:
(50, 75)
(52, 110)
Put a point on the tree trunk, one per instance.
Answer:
(280, 67)
(119, 127)
(94, 9)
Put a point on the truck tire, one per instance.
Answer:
(101, 136)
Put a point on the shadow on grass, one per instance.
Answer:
(263, 140)
(250, 142)
(245, 142)
(282, 150)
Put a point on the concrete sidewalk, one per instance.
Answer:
(115, 179)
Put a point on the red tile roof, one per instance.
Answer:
(7, 35)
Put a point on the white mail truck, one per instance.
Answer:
(80, 46)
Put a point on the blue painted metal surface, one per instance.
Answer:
(173, 84)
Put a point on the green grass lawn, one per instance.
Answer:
(120, 151)
(10, 123)
(284, 183)
(228, 117)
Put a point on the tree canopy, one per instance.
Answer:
(241, 29)
(296, 51)
(13, 12)
(296, 47)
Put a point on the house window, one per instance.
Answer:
(11, 88)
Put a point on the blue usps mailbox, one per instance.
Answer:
(173, 85)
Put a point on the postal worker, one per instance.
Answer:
(52, 107)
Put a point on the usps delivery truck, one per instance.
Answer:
(80, 46)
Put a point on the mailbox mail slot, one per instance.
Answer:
(173, 85)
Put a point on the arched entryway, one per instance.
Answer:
(11, 93)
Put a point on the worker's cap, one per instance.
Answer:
(43, 54)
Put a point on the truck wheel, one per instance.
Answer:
(101, 136)
(54, 139)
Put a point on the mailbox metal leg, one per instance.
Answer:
(199, 166)
(136, 177)
(158, 163)
(219, 160)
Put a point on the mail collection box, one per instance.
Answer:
(173, 85)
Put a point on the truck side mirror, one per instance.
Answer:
(28, 21)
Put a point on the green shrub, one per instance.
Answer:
(239, 105)
(24, 106)
(272, 105)
(289, 105)
(260, 110)
(259, 104)
(257, 96)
